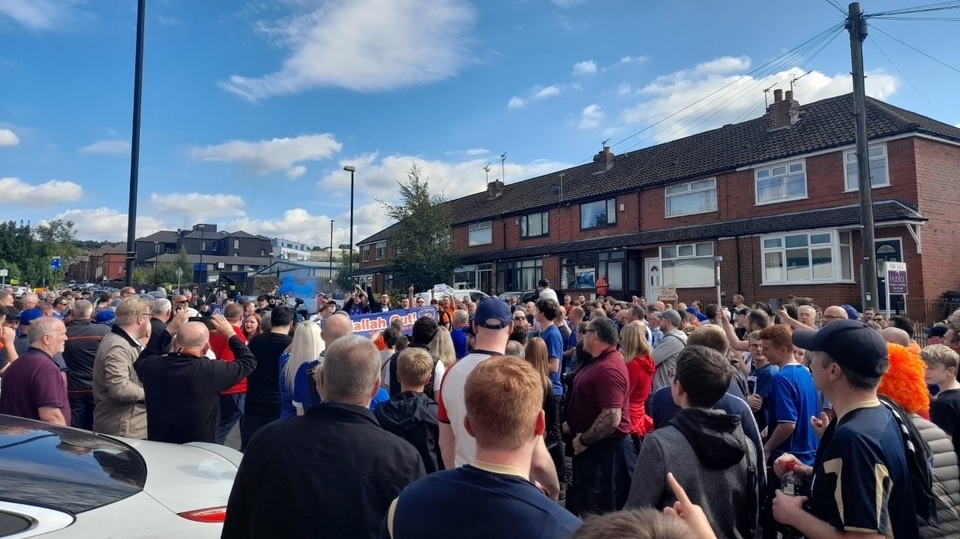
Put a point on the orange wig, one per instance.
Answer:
(903, 382)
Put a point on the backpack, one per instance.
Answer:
(919, 464)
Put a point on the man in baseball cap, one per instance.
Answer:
(860, 478)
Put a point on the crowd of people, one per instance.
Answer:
(504, 419)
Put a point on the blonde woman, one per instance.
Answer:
(307, 346)
(442, 347)
(640, 368)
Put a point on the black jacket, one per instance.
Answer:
(182, 392)
(413, 417)
(332, 472)
(79, 352)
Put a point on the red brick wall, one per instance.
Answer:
(113, 266)
(938, 180)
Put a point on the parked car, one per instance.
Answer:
(522, 296)
(64, 482)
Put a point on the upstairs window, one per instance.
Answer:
(598, 214)
(535, 224)
(381, 250)
(365, 253)
(480, 233)
(692, 197)
(781, 183)
(879, 175)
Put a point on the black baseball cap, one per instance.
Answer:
(851, 343)
(938, 330)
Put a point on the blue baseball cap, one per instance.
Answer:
(493, 313)
(28, 316)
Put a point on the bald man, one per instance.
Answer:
(896, 336)
(833, 313)
(183, 388)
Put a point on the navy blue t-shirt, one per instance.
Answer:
(763, 386)
(795, 400)
(860, 465)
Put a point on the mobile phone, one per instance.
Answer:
(776, 304)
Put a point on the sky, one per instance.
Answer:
(250, 110)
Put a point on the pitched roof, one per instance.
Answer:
(384, 234)
(822, 125)
(161, 236)
(884, 211)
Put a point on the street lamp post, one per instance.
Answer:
(331, 256)
(351, 170)
(201, 252)
(156, 251)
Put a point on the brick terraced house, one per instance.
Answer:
(776, 197)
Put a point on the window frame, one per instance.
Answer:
(839, 244)
(769, 169)
(381, 250)
(667, 195)
(479, 227)
(677, 248)
(544, 225)
(365, 253)
(856, 180)
(607, 202)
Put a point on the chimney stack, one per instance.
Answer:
(494, 189)
(777, 95)
(789, 95)
(603, 161)
(784, 111)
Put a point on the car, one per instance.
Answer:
(65, 482)
(522, 296)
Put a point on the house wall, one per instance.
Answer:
(938, 182)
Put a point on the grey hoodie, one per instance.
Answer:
(714, 462)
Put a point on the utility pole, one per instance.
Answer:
(131, 253)
(857, 25)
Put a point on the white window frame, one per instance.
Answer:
(776, 246)
(381, 250)
(851, 177)
(365, 253)
(771, 172)
(671, 255)
(544, 224)
(689, 189)
(236, 244)
(480, 233)
(610, 205)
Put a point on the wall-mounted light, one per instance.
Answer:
(516, 222)
(622, 207)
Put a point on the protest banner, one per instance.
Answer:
(368, 324)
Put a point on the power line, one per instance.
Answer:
(902, 74)
(941, 6)
(837, 6)
(938, 19)
(917, 50)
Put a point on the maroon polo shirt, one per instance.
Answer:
(31, 382)
(600, 385)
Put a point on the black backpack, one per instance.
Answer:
(919, 463)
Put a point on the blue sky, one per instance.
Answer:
(251, 109)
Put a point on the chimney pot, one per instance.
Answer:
(777, 95)
(789, 95)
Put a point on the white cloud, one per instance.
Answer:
(296, 172)
(536, 94)
(296, 224)
(16, 192)
(279, 154)
(8, 138)
(688, 90)
(379, 176)
(39, 14)
(634, 59)
(590, 117)
(588, 67)
(624, 89)
(194, 207)
(108, 147)
(106, 224)
(168, 21)
(364, 45)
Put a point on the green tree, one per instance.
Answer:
(29, 250)
(423, 254)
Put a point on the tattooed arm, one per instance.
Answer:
(602, 427)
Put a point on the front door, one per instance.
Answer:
(652, 279)
(485, 281)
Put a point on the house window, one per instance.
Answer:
(781, 183)
(381, 250)
(236, 267)
(214, 245)
(365, 253)
(578, 272)
(262, 252)
(236, 244)
(236, 254)
(535, 224)
(480, 233)
(879, 176)
(203, 246)
(598, 214)
(692, 197)
(687, 265)
(520, 274)
(821, 256)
